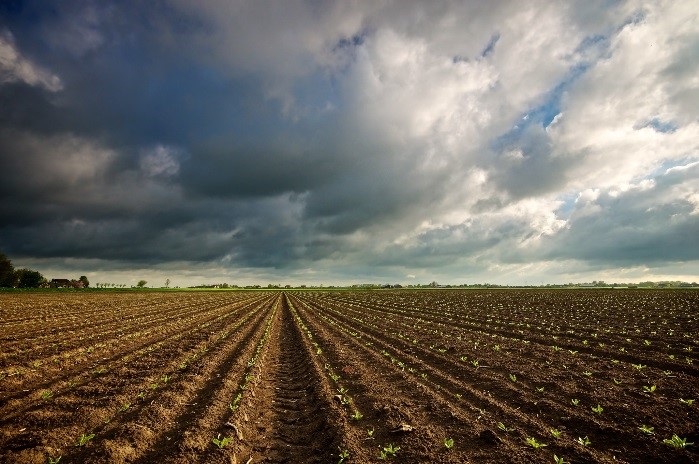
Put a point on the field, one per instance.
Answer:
(440, 376)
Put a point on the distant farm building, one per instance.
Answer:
(66, 283)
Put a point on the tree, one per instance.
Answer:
(141, 283)
(7, 272)
(167, 283)
(27, 278)
(86, 283)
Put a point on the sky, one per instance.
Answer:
(320, 142)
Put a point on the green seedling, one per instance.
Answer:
(638, 366)
(617, 382)
(389, 451)
(221, 442)
(558, 460)
(46, 394)
(165, 378)
(534, 444)
(84, 439)
(463, 358)
(513, 377)
(540, 389)
(598, 409)
(54, 460)
(677, 442)
(647, 430)
(687, 402)
(474, 363)
(587, 374)
(449, 443)
(556, 433)
(357, 415)
(504, 428)
(124, 407)
(649, 389)
(370, 432)
(344, 454)
(583, 441)
(575, 401)
(236, 402)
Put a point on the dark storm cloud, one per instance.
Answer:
(377, 137)
(653, 222)
(525, 165)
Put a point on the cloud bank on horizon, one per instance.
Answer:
(310, 141)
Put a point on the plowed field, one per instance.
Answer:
(440, 376)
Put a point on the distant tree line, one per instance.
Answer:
(18, 278)
(29, 278)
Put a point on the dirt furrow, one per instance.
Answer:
(123, 420)
(138, 352)
(460, 401)
(107, 329)
(290, 418)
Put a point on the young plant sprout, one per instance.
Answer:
(344, 454)
(534, 444)
(221, 442)
(389, 451)
(85, 438)
(677, 442)
(504, 428)
(647, 430)
(583, 441)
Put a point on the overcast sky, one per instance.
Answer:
(350, 141)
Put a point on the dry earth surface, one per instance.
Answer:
(438, 376)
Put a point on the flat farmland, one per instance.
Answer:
(434, 376)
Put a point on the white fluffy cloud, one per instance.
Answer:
(374, 139)
(623, 118)
(14, 67)
(160, 161)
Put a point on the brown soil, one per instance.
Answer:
(303, 377)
